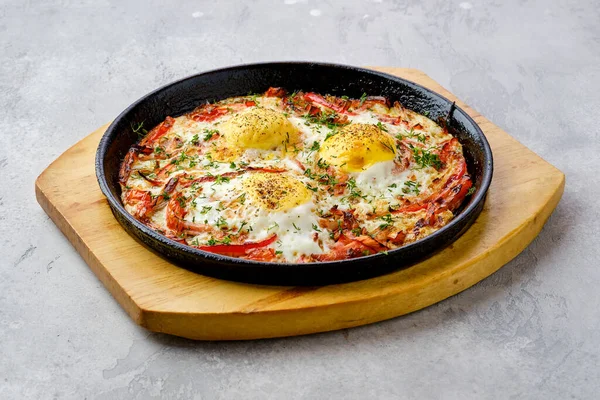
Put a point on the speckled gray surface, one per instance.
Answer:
(529, 331)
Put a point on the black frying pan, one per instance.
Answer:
(183, 96)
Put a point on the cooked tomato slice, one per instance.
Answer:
(347, 247)
(210, 114)
(133, 195)
(158, 132)
(175, 214)
(142, 200)
(453, 196)
(128, 161)
(275, 92)
(261, 254)
(237, 249)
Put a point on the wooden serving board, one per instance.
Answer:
(165, 298)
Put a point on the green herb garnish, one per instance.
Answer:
(139, 130)
(411, 187)
(363, 98)
(388, 221)
(425, 158)
(205, 209)
(209, 133)
(220, 179)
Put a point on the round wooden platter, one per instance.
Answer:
(165, 298)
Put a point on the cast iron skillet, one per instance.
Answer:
(183, 96)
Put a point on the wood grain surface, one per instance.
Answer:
(165, 298)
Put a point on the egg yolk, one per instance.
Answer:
(260, 128)
(276, 191)
(357, 147)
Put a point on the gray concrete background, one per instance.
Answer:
(529, 331)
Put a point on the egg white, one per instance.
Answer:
(295, 227)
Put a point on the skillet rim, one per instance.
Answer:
(467, 213)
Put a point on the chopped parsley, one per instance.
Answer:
(363, 98)
(425, 158)
(242, 198)
(212, 241)
(330, 119)
(139, 129)
(382, 126)
(354, 191)
(220, 179)
(388, 146)
(244, 223)
(309, 173)
(388, 221)
(211, 162)
(327, 179)
(205, 209)
(330, 134)
(411, 187)
(254, 97)
(181, 200)
(322, 164)
(182, 157)
(393, 207)
(313, 188)
(209, 133)
(221, 223)
(316, 228)
(421, 137)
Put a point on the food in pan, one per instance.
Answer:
(295, 177)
